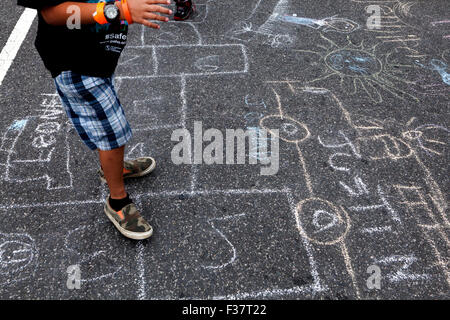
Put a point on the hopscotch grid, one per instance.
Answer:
(236, 191)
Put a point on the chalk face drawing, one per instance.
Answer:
(353, 63)
(290, 129)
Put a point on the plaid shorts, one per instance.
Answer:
(92, 105)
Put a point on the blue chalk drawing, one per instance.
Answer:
(353, 63)
(341, 25)
(18, 125)
(439, 66)
(314, 23)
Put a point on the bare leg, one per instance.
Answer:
(112, 165)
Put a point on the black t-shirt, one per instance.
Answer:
(92, 50)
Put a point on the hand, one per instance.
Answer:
(143, 10)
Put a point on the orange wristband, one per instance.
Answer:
(99, 15)
(126, 12)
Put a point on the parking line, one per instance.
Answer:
(15, 40)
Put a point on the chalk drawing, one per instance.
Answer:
(142, 292)
(310, 214)
(98, 256)
(196, 62)
(359, 189)
(318, 220)
(421, 134)
(291, 130)
(384, 206)
(441, 67)
(403, 273)
(135, 151)
(439, 24)
(259, 140)
(233, 249)
(207, 64)
(18, 257)
(210, 63)
(279, 30)
(321, 223)
(45, 135)
(336, 24)
(323, 220)
(393, 18)
(358, 68)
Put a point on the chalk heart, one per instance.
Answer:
(290, 130)
(322, 222)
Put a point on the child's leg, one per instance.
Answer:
(112, 165)
(93, 107)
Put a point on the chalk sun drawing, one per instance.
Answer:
(359, 69)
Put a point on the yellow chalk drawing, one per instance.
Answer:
(326, 224)
(360, 69)
(414, 198)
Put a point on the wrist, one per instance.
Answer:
(119, 6)
(126, 11)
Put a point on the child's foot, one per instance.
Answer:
(185, 8)
(128, 221)
(134, 168)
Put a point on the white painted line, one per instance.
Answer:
(141, 270)
(15, 40)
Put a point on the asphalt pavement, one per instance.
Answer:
(346, 104)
